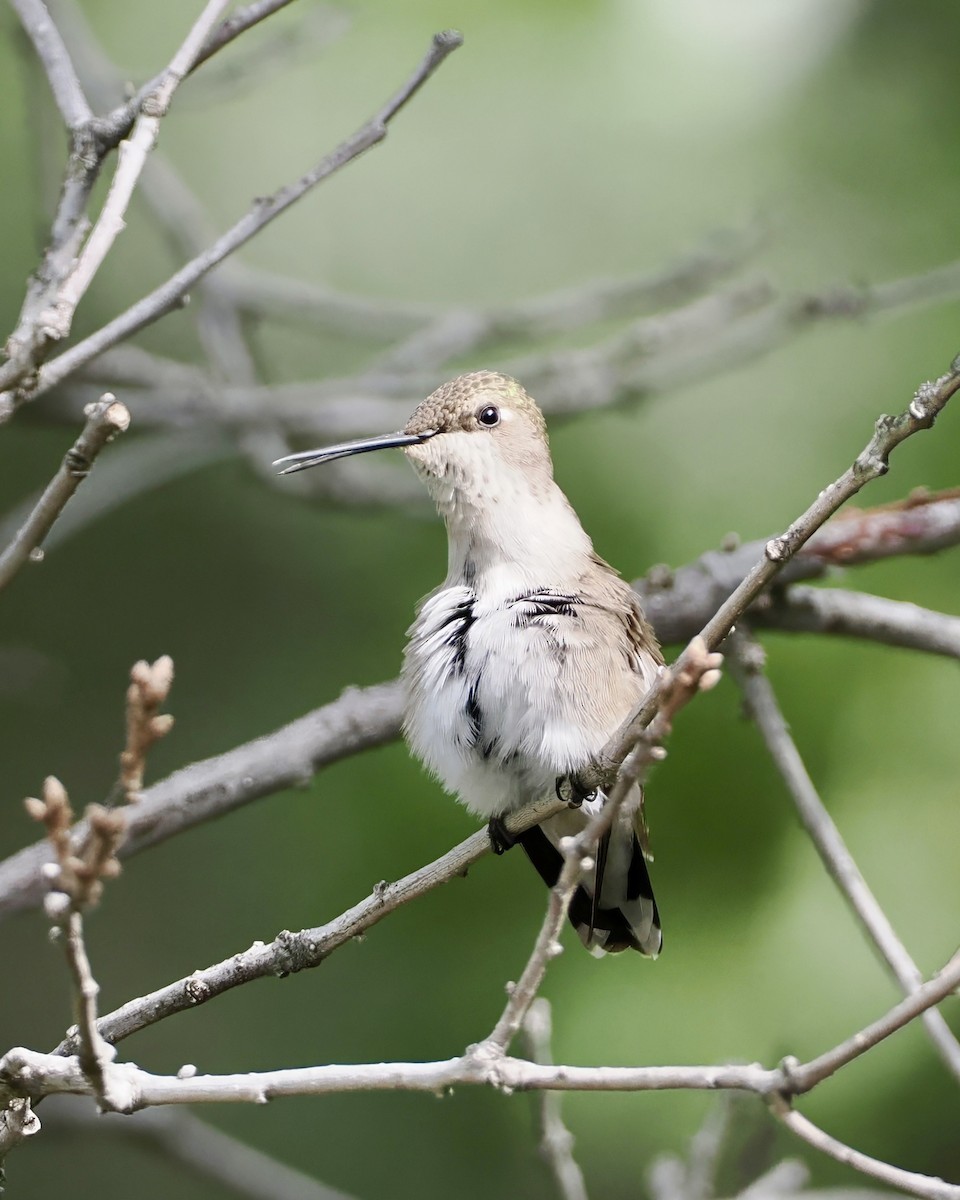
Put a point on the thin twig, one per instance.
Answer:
(105, 418)
(696, 670)
(149, 688)
(556, 1140)
(202, 1149)
(170, 294)
(677, 602)
(111, 129)
(27, 1073)
(131, 159)
(747, 667)
(184, 221)
(292, 952)
(926, 1186)
(870, 463)
(55, 59)
(920, 1000)
(76, 880)
(923, 523)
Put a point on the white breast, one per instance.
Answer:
(504, 696)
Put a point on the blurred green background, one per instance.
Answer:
(564, 142)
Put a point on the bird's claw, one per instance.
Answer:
(501, 839)
(570, 792)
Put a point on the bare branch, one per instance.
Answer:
(66, 271)
(747, 666)
(696, 670)
(292, 952)
(185, 223)
(805, 1077)
(170, 294)
(55, 59)
(105, 419)
(26, 1073)
(206, 1151)
(114, 127)
(360, 719)
(77, 882)
(801, 609)
(677, 602)
(132, 157)
(556, 1140)
(907, 1181)
(870, 463)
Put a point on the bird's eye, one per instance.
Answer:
(489, 416)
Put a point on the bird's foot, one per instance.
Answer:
(501, 839)
(570, 792)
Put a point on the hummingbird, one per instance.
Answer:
(526, 659)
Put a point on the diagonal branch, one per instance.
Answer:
(170, 294)
(105, 420)
(55, 59)
(696, 670)
(27, 1074)
(675, 601)
(678, 605)
(114, 127)
(908, 1181)
(747, 667)
(131, 159)
(359, 720)
(872, 462)
(292, 952)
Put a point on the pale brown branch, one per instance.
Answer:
(76, 881)
(291, 952)
(105, 418)
(556, 1140)
(207, 1152)
(27, 1073)
(132, 156)
(801, 609)
(926, 1186)
(116, 125)
(747, 666)
(677, 602)
(166, 297)
(920, 1000)
(56, 62)
(870, 463)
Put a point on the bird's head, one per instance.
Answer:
(476, 438)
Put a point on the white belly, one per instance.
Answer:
(503, 698)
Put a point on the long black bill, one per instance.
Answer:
(313, 458)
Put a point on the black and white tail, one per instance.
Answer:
(614, 909)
